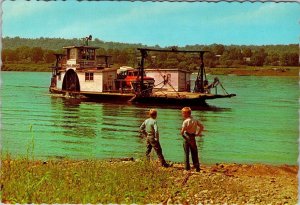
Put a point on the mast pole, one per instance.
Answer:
(144, 54)
(202, 72)
(106, 61)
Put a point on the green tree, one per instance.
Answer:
(293, 59)
(218, 49)
(9, 55)
(247, 52)
(37, 54)
(49, 56)
(273, 59)
(258, 58)
(289, 59)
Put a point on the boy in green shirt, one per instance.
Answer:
(150, 129)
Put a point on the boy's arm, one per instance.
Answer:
(201, 128)
(183, 128)
(182, 132)
(156, 131)
(143, 127)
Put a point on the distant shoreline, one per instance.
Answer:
(241, 71)
(256, 71)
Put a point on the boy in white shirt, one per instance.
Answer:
(190, 129)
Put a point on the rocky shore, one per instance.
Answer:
(241, 184)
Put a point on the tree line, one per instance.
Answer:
(21, 50)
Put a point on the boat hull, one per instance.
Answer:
(168, 98)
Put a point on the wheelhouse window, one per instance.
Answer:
(90, 54)
(72, 53)
(89, 76)
(86, 54)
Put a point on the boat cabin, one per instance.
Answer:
(83, 71)
(171, 79)
(81, 57)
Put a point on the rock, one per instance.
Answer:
(214, 169)
(204, 191)
(169, 201)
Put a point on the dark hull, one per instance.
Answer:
(170, 101)
(197, 101)
(193, 100)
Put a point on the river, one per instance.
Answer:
(259, 125)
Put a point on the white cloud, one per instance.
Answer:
(17, 9)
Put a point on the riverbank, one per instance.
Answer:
(256, 71)
(248, 70)
(38, 67)
(130, 181)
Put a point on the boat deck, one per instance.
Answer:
(185, 95)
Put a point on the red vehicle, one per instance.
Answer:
(131, 77)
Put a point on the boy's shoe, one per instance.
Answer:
(198, 169)
(166, 165)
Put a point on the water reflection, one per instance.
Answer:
(75, 126)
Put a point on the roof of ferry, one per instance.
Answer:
(92, 47)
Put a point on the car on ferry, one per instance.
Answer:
(132, 76)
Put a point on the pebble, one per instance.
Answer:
(204, 191)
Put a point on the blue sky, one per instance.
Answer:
(152, 23)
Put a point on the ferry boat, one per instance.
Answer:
(81, 73)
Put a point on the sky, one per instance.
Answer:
(155, 23)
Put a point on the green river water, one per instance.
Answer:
(259, 125)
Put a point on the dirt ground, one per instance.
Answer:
(239, 184)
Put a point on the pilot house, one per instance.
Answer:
(82, 71)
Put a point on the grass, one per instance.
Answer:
(26, 180)
(67, 181)
(98, 181)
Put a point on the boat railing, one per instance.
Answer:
(87, 64)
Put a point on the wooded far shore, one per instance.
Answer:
(240, 71)
(25, 51)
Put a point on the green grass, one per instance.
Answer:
(99, 181)
(92, 181)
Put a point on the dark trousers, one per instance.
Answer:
(152, 143)
(190, 145)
